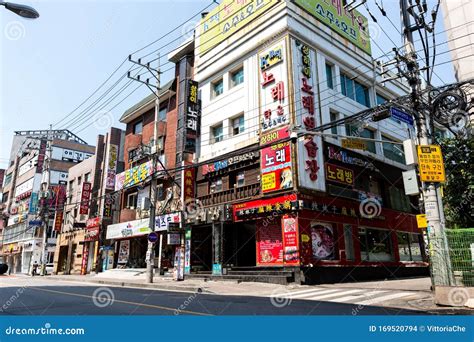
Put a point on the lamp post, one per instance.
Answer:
(22, 10)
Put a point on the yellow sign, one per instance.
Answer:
(421, 221)
(355, 144)
(431, 164)
(268, 181)
(305, 238)
(228, 18)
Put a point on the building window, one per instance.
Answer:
(217, 88)
(363, 133)
(8, 179)
(380, 99)
(393, 151)
(237, 77)
(87, 177)
(409, 246)
(79, 180)
(355, 90)
(375, 245)
(138, 127)
(398, 200)
(216, 186)
(240, 179)
(217, 133)
(238, 125)
(132, 200)
(162, 114)
(329, 76)
(333, 117)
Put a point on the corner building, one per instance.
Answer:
(281, 210)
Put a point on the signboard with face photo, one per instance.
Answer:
(322, 241)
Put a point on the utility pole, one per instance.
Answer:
(154, 154)
(433, 204)
(45, 208)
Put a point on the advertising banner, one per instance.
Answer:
(124, 251)
(323, 241)
(134, 175)
(276, 167)
(264, 206)
(228, 18)
(85, 198)
(187, 251)
(162, 221)
(111, 164)
(193, 114)
(291, 253)
(269, 244)
(85, 258)
(273, 87)
(128, 229)
(350, 25)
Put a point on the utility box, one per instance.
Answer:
(410, 182)
(409, 147)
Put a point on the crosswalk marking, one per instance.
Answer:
(384, 298)
(312, 293)
(356, 296)
(318, 297)
(304, 291)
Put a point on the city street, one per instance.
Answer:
(42, 296)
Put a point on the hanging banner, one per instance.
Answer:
(111, 164)
(85, 258)
(187, 251)
(85, 198)
(351, 25)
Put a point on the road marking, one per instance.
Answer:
(124, 302)
(339, 293)
(384, 298)
(303, 291)
(303, 295)
(356, 296)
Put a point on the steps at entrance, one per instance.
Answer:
(264, 275)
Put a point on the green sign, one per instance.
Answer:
(347, 24)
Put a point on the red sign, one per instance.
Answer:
(339, 174)
(92, 233)
(85, 198)
(188, 182)
(41, 155)
(270, 205)
(271, 137)
(59, 206)
(269, 244)
(93, 222)
(290, 233)
(85, 258)
(276, 167)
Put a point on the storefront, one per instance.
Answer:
(90, 246)
(12, 256)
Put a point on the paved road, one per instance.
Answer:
(40, 296)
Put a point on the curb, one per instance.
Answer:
(153, 286)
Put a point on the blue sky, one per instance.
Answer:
(50, 65)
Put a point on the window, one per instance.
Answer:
(8, 179)
(217, 133)
(329, 76)
(162, 114)
(87, 177)
(380, 99)
(355, 90)
(333, 117)
(393, 151)
(79, 180)
(409, 246)
(363, 133)
(398, 200)
(240, 179)
(238, 125)
(216, 185)
(375, 245)
(348, 242)
(132, 200)
(237, 77)
(217, 88)
(138, 127)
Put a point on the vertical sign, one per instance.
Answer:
(193, 112)
(41, 155)
(291, 254)
(187, 251)
(188, 183)
(85, 258)
(269, 244)
(111, 164)
(33, 207)
(85, 198)
(276, 165)
(274, 110)
(60, 201)
(310, 149)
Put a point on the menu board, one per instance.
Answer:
(290, 240)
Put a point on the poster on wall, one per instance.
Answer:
(273, 87)
(290, 240)
(124, 251)
(310, 149)
(323, 241)
(269, 244)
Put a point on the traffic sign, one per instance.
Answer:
(431, 164)
(152, 237)
(401, 115)
(356, 144)
(421, 221)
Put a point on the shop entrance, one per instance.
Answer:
(239, 245)
(201, 249)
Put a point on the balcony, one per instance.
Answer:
(128, 215)
(231, 195)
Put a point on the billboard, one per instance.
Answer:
(350, 25)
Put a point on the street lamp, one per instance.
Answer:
(22, 10)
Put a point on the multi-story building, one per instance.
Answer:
(37, 158)
(272, 196)
(88, 207)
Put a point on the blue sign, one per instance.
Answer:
(35, 223)
(217, 269)
(33, 203)
(153, 237)
(401, 116)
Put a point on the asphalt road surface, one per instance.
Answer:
(40, 296)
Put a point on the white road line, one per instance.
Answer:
(305, 291)
(356, 296)
(303, 295)
(384, 298)
(333, 294)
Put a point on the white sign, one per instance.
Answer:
(25, 167)
(273, 87)
(24, 187)
(70, 155)
(174, 239)
(58, 177)
(128, 229)
(161, 222)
